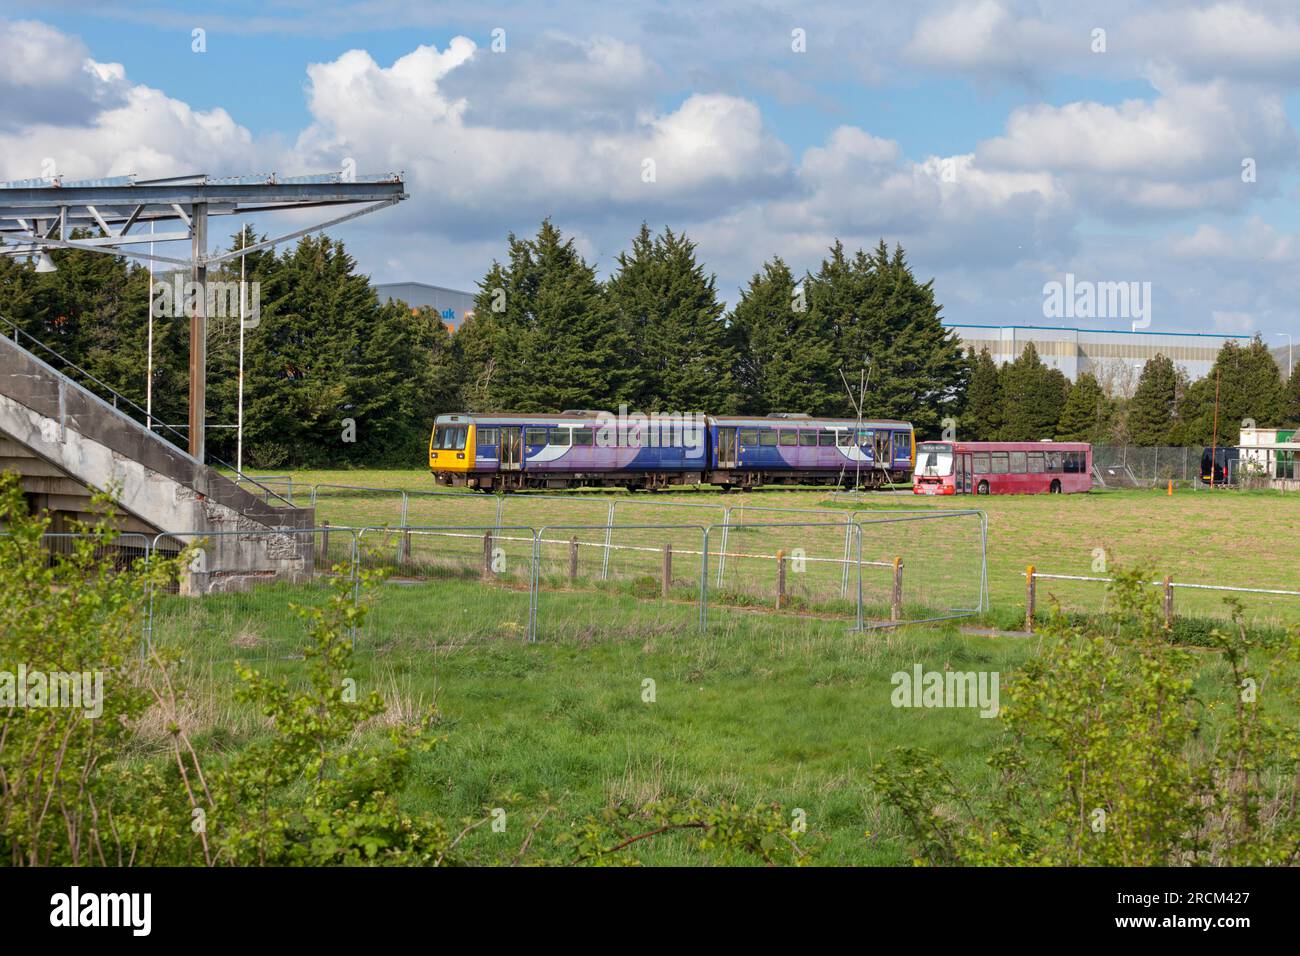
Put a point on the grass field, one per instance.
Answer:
(763, 707)
(1240, 539)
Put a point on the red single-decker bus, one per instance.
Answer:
(1002, 468)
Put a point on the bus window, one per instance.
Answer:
(1073, 462)
(808, 439)
(1036, 463)
(767, 437)
(1018, 462)
(787, 436)
(981, 465)
(826, 439)
(998, 460)
(749, 437)
(1055, 465)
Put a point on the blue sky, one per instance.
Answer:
(992, 138)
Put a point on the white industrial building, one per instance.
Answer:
(452, 304)
(1106, 353)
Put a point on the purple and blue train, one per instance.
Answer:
(508, 452)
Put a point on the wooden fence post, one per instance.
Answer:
(896, 605)
(573, 559)
(780, 578)
(1169, 602)
(1030, 593)
(668, 568)
(487, 555)
(325, 543)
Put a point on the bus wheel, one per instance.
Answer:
(1056, 487)
(982, 488)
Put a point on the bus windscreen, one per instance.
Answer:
(933, 460)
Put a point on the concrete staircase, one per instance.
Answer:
(66, 443)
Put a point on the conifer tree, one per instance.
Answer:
(784, 357)
(555, 341)
(1086, 414)
(1151, 410)
(682, 350)
(982, 418)
(1031, 398)
(880, 317)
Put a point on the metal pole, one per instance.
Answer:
(844, 578)
(239, 419)
(722, 551)
(704, 580)
(609, 536)
(148, 384)
(198, 328)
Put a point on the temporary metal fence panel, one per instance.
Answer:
(667, 562)
(249, 582)
(793, 565)
(449, 584)
(938, 561)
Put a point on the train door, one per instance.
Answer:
(880, 449)
(512, 447)
(727, 448)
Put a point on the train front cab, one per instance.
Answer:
(452, 449)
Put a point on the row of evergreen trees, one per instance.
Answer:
(548, 334)
(1025, 400)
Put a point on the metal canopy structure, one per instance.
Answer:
(39, 215)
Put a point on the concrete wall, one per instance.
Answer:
(93, 444)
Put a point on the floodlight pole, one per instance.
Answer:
(198, 328)
(148, 384)
(239, 426)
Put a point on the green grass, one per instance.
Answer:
(790, 708)
(759, 709)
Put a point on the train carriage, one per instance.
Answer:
(799, 449)
(503, 452)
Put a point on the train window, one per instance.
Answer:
(998, 463)
(902, 445)
(843, 439)
(561, 436)
(749, 437)
(767, 436)
(583, 437)
(787, 436)
(1018, 462)
(487, 436)
(1035, 462)
(450, 437)
(808, 439)
(535, 436)
(864, 436)
(1055, 464)
(982, 463)
(826, 439)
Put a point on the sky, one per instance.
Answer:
(1003, 144)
